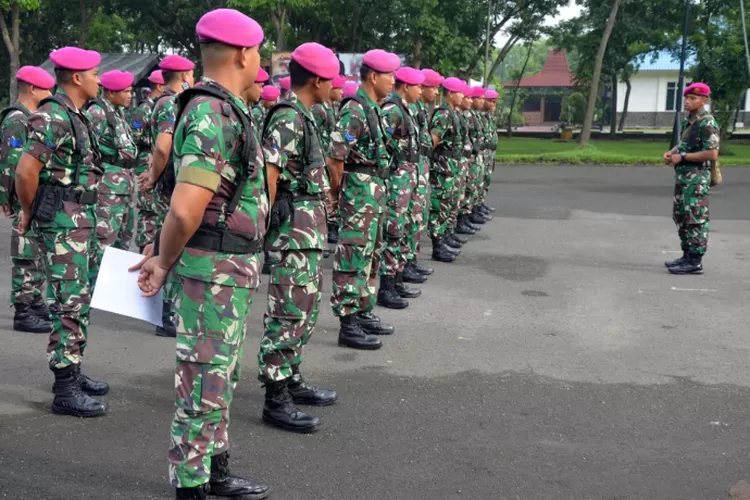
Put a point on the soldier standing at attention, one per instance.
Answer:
(160, 177)
(27, 274)
(252, 97)
(58, 175)
(692, 159)
(140, 123)
(268, 98)
(401, 184)
(460, 221)
(490, 101)
(114, 208)
(297, 181)
(210, 243)
(446, 147)
(476, 159)
(358, 163)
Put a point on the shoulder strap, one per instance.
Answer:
(307, 133)
(407, 127)
(111, 121)
(373, 123)
(76, 123)
(14, 107)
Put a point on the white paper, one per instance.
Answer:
(117, 290)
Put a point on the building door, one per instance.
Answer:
(552, 108)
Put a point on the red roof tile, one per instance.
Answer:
(554, 73)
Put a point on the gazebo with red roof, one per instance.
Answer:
(546, 89)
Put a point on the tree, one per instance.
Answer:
(530, 47)
(586, 131)
(278, 12)
(573, 109)
(12, 36)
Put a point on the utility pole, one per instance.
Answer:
(676, 132)
(487, 46)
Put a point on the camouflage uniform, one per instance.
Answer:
(214, 289)
(419, 211)
(257, 115)
(68, 241)
(27, 274)
(361, 205)
(491, 137)
(463, 164)
(140, 124)
(692, 184)
(476, 161)
(325, 119)
(401, 184)
(297, 243)
(445, 173)
(114, 210)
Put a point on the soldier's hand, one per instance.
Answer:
(667, 157)
(675, 159)
(145, 183)
(24, 223)
(7, 211)
(152, 277)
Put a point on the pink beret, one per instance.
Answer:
(230, 27)
(176, 63)
(75, 59)
(409, 76)
(698, 88)
(285, 83)
(491, 94)
(431, 78)
(156, 77)
(318, 60)
(116, 80)
(270, 93)
(350, 89)
(381, 61)
(454, 84)
(262, 76)
(35, 76)
(477, 92)
(339, 82)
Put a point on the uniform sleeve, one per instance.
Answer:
(13, 141)
(440, 124)
(284, 137)
(319, 114)
(203, 153)
(709, 134)
(47, 130)
(392, 120)
(166, 118)
(138, 122)
(98, 118)
(349, 129)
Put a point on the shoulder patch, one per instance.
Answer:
(15, 142)
(349, 137)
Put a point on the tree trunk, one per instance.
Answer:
(279, 19)
(586, 132)
(501, 56)
(628, 88)
(613, 113)
(84, 23)
(416, 59)
(12, 43)
(509, 132)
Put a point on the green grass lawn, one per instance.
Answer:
(624, 152)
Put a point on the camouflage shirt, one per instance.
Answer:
(116, 146)
(419, 111)
(51, 141)
(466, 131)
(490, 130)
(325, 119)
(14, 130)
(477, 131)
(446, 127)
(283, 146)
(705, 137)
(257, 115)
(140, 127)
(163, 115)
(402, 129)
(207, 151)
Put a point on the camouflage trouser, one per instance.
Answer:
(459, 191)
(27, 274)
(68, 255)
(473, 184)
(690, 209)
(331, 215)
(152, 209)
(210, 337)
(400, 187)
(489, 167)
(356, 264)
(442, 202)
(113, 212)
(292, 312)
(419, 210)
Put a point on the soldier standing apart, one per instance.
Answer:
(358, 163)
(297, 181)
(490, 102)
(114, 208)
(210, 242)
(27, 274)
(57, 176)
(140, 123)
(178, 77)
(692, 159)
(252, 97)
(446, 147)
(268, 98)
(401, 186)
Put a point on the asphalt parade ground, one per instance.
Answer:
(556, 359)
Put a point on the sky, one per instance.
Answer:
(570, 11)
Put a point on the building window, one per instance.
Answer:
(671, 96)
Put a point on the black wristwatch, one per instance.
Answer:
(683, 155)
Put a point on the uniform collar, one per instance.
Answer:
(293, 98)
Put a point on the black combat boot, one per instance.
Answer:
(304, 393)
(488, 208)
(677, 262)
(480, 216)
(355, 336)
(421, 268)
(484, 210)
(26, 319)
(168, 328)
(475, 218)
(372, 325)
(452, 242)
(460, 238)
(198, 493)
(411, 275)
(88, 386)
(693, 264)
(224, 484)
(404, 291)
(471, 225)
(333, 233)
(448, 244)
(440, 253)
(266, 264)
(388, 296)
(70, 399)
(279, 410)
(463, 227)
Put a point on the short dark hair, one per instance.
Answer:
(153, 85)
(299, 75)
(22, 86)
(170, 76)
(399, 84)
(364, 72)
(64, 76)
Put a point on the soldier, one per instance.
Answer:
(490, 102)
(459, 220)
(692, 159)
(252, 97)
(285, 83)
(446, 146)
(160, 177)
(358, 163)
(220, 185)
(114, 209)
(269, 97)
(27, 274)
(140, 123)
(57, 176)
(297, 180)
(401, 185)
(469, 208)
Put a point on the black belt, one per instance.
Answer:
(80, 197)
(365, 169)
(410, 157)
(118, 162)
(306, 197)
(213, 239)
